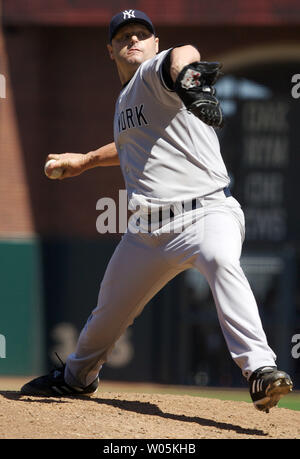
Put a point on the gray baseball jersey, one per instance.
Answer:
(166, 153)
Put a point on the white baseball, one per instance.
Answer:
(55, 173)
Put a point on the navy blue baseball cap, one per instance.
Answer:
(128, 16)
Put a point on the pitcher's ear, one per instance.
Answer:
(110, 52)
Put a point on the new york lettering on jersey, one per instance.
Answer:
(132, 117)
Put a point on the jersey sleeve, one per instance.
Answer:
(165, 67)
(155, 73)
(165, 72)
(153, 80)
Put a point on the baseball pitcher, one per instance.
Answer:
(183, 213)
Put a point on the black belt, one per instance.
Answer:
(189, 205)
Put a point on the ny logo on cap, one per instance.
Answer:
(127, 14)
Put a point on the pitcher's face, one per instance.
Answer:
(132, 45)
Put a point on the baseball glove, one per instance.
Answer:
(194, 86)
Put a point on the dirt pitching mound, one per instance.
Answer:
(140, 416)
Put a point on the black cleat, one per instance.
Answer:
(54, 385)
(267, 385)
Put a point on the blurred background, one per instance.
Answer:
(57, 93)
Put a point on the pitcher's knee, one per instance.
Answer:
(223, 260)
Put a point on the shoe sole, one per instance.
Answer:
(32, 393)
(274, 392)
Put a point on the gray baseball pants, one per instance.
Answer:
(143, 263)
